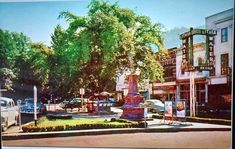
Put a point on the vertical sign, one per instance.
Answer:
(211, 51)
(180, 109)
(168, 109)
(191, 48)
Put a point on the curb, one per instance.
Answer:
(103, 132)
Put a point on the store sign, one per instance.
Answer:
(169, 88)
(168, 109)
(180, 109)
(198, 32)
(211, 52)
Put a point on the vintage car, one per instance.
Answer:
(155, 106)
(9, 113)
(71, 103)
(27, 106)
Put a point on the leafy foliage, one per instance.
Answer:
(22, 61)
(109, 40)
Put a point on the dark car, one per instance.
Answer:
(27, 106)
(71, 103)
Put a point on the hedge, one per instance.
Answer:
(52, 116)
(31, 128)
(200, 120)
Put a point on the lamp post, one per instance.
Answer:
(19, 107)
(82, 92)
(35, 105)
(1, 90)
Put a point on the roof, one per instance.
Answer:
(226, 11)
(6, 99)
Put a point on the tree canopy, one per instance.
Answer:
(108, 41)
(89, 54)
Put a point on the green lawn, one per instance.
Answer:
(43, 122)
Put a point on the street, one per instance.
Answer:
(212, 139)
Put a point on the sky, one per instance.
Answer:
(37, 20)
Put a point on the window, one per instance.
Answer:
(224, 34)
(224, 64)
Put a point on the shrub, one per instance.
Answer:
(58, 128)
(53, 117)
(49, 128)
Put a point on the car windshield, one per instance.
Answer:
(157, 101)
(3, 103)
(30, 101)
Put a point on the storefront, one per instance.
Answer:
(201, 90)
(164, 91)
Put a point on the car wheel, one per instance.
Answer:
(5, 127)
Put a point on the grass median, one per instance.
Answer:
(44, 124)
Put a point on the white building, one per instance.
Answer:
(223, 43)
(212, 89)
(220, 84)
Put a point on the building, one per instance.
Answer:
(201, 78)
(167, 89)
(220, 83)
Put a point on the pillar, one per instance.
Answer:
(206, 93)
(177, 91)
(132, 85)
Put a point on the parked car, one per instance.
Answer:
(155, 106)
(71, 103)
(9, 113)
(27, 106)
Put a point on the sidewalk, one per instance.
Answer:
(155, 125)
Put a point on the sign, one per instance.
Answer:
(19, 102)
(200, 68)
(82, 91)
(198, 32)
(168, 108)
(145, 112)
(185, 50)
(180, 109)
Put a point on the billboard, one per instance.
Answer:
(168, 109)
(180, 109)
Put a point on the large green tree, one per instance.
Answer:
(109, 40)
(23, 62)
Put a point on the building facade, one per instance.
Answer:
(167, 89)
(211, 88)
(220, 83)
(200, 77)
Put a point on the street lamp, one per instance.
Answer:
(82, 92)
(35, 105)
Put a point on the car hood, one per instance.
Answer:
(29, 106)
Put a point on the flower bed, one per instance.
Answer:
(44, 124)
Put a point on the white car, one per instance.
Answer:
(155, 106)
(9, 113)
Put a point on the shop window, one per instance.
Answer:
(224, 34)
(224, 64)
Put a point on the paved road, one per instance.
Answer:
(212, 139)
